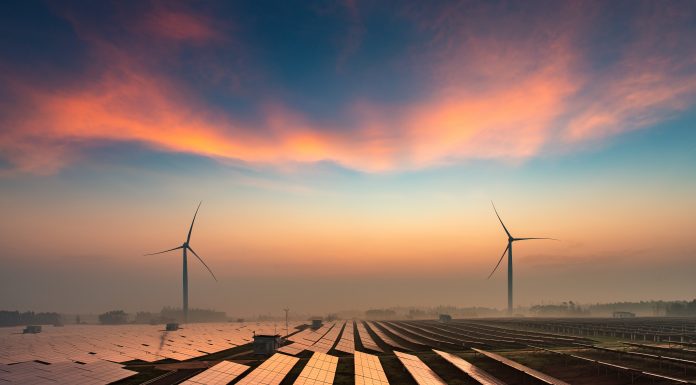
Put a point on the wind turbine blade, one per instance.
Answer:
(526, 239)
(501, 221)
(206, 266)
(188, 238)
(165, 251)
(500, 260)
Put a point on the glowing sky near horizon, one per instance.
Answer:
(351, 146)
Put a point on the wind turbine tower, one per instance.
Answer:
(186, 246)
(508, 250)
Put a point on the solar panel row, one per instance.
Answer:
(419, 370)
(328, 340)
(347, 342)
(320, 370)
(220, 374)
(365, 338)
(385, 337)
(480, 375)
(521, 368)
(306, 339)
(368, 370)
(270, 372)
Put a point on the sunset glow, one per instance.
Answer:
(356, 143)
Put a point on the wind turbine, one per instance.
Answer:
(508, 249)
(187, 247)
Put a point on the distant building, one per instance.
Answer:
(266, 344)
(32, 329)
(445, 318)
(624, 314)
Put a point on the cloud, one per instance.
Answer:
(502, 94)
(653, 79)
(180, 25)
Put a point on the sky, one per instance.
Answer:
(346, 153)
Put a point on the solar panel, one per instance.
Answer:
(386, 338)
(365, 338)
(368, 370)
(320, 370)
(400, 334)
(320, 340)
(327, 341)
(220, 374)
(524, 369)
(472, 371)
(270, 372)
(347, 342)
(418, 370)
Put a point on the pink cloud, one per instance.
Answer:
(493, 96)
(179, 24)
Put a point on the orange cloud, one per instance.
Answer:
(490, 99)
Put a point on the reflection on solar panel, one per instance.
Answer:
(220, 374)
(271, 372)
(365, 338)
(347, 342)
(419, 371)
(517, 366)
(368, 370)
(320, 370)
(472, 371)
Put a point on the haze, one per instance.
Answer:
(346, 155)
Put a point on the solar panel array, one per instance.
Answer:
(306, 339)
(124, 342)
(270, 372)
(418, 370)
(320, 370)
(386, 338)
(327, 341)
(365, 338)
(91, 354)
(368, 370)
(347, 342)
(220, 374)
(480, 375)
(390, 328)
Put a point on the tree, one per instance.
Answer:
(113, 317)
